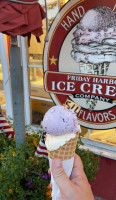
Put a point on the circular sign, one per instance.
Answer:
(80, 61)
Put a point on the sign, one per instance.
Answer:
(71, 105)
(80, 61)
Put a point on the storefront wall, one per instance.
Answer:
(105, 184)
(38, 101)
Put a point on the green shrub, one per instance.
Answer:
(89, 159)
(24, 176)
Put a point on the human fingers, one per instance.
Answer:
(50, 184)
(60, 176)
(49, 171)
(77, 168)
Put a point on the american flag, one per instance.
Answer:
(41, 149)
(5, 127)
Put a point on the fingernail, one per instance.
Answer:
(57, 163)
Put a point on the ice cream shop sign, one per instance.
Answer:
(80, 61)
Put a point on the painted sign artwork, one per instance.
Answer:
(80, 61)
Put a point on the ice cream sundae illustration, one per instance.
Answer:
(94, 43)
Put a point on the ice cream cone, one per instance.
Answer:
(61, 126)
(66, 151)
(94, 69)
(66, 154)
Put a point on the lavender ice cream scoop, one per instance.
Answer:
(59, 120)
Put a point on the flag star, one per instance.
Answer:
(53, 60)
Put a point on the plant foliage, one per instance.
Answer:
(89, 159)
(23, 176)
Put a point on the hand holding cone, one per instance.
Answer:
(62, 130)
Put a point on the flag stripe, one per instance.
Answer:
(41, 147)
(41, 152)
(7, 131)
(2, 120)
(3, 124)
(39, 155)
(5, 127)
(42, 143)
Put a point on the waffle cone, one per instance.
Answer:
(66, 151)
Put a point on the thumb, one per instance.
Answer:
(60, 176)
